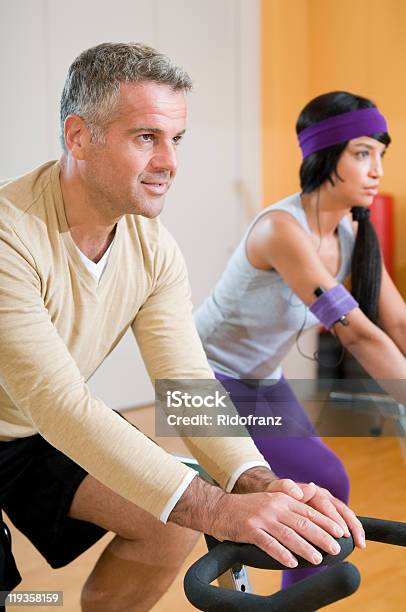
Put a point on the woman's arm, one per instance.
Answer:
(392, 312)
(278, 241)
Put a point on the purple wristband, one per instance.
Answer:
(332, 305)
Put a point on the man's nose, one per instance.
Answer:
(165, 158)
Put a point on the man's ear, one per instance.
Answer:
(77, 136)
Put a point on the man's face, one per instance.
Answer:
(131, 171)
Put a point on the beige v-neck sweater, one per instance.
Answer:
(57, 326)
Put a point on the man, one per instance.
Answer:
(83, 258)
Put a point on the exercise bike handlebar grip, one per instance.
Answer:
(319, 590)
(339, 580)
(388, 532)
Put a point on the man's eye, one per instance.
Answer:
(362, 154)
(177, 140)
(146, 137)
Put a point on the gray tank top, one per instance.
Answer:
(251, 319)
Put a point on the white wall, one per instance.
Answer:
(218, 185)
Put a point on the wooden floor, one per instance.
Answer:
(378, 475)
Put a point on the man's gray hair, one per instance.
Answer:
(92, 86)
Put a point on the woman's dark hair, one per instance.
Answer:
(321, 166)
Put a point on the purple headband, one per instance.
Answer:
(341, 128)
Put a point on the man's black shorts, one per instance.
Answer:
(37, 485)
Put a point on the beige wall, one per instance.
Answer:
(313, 46)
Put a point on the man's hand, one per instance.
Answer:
(262, 479)
(259, 479)
(322, 500)
(273, 521)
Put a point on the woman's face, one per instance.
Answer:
(360, 170)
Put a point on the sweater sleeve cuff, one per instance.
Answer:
(240, 470)
(175, 497)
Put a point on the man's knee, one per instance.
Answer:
(170, 543)
(134, 574)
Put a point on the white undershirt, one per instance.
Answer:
(97, 269)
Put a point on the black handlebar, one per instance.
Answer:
(388, 532)
(339, 580)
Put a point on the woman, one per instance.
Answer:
(286, 276)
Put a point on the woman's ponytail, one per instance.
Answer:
(366, 268)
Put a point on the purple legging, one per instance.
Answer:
(300, 454)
